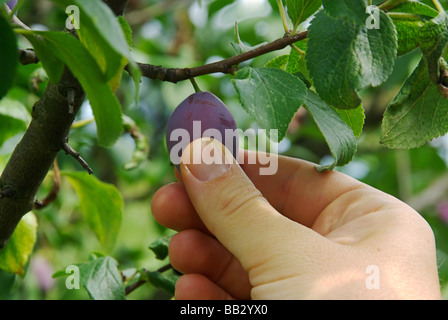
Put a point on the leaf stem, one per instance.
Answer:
(82, 123)
(195, 85)
(298, 50)
(404, 16)
(389, 4)
(283, 15)
(438, 6)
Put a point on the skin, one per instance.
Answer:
(298, 234)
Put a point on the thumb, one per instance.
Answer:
(235, 211)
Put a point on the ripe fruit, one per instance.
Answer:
(200, 115)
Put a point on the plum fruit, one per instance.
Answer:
(12, 3)
(202, 114)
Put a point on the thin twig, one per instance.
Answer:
(224, 66)
(70, 151)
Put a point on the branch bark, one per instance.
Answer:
(27, 56)
(34, 155)
(175, 75)
(117, 6)
(52, 117)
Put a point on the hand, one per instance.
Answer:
(297, 234)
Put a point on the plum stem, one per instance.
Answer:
(195, 85)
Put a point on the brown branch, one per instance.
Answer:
(70, 151)
(54, 192)
(35, 153)
(27, 56)
(117, 6)
(224, 66)
(52, 118)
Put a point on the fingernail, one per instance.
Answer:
(207, 159)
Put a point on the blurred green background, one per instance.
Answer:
(187, 33)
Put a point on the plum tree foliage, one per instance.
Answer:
(86, 80)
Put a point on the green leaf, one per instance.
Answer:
(279, 62)
(353, 11)
(293, 63)
(271, 96)
(354, 118)
(418, 113)
(408, 35)
(417, 8)
(343, 58)
(8, 56)
(15, 255)
(102, 279)
(300, 10)
(127, 30)
(110, 61)
(338, 135)
(160, 247)
(105, 105)
(297, 66)
(161, 281)
(103, 30)
(239, 46)
(101, 205)
(98, 18)
(14, 118)
(433, 38)
(50, 62)
(408, 27)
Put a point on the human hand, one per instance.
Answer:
(298, 234)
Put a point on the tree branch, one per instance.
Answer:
(117, 6)
(224, 66)
(27, 56)
(35, 153)
(53, 194)
(52, 118)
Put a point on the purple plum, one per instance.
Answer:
(202, 114)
